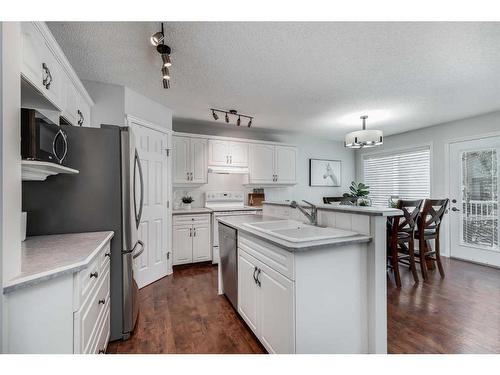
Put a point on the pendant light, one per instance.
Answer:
(364, 138)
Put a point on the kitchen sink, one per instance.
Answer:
(295, 231)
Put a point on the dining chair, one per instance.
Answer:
(428, 227)
(400, 242)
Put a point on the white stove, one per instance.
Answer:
(225, 203)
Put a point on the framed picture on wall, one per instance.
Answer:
(324, 172)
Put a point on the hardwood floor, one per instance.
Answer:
(457, 314)
(182, 313)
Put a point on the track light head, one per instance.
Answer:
(250, 122)
(166, 83)
(157, 38)
(165, 57)
(165, 73)
(227, 118)
(238, 122)
(215, 115)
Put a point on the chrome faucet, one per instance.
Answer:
(312, 215)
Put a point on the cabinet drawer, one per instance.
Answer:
(100, 342)
(88, 278)
(105, 257)
(191, 219)
(90, 312)
(278, 259)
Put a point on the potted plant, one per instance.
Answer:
(361, 192)
(186, 202)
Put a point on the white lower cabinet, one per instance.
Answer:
(67, 314)
(266, 303)
(191, 239)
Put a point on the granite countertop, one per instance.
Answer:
(370, 211)
(192, 211)
(238, 223)
(47, 257)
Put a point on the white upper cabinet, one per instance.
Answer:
(262, 163)
(32, 50)
(190, 160)
(227, 153)
(46, 69)
(272, 164)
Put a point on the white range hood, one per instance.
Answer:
(227, 170)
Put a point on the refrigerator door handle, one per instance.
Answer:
(137, 165)
(134, 256)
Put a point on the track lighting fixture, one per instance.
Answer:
(232, 112)
(165, 73)
(158, 40)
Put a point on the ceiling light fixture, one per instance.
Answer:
(165, 73)
(232, 112)
(364, 138)
(158, 40)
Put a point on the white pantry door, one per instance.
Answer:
(474, 193)
(153, 229)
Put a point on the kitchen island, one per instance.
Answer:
(318, 295)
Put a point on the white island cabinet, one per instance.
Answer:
(60, 303)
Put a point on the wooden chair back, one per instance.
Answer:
(432, 214)
(407, 222)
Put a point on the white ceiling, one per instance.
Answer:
(316, 78)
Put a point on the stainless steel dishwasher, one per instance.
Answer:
(228, 247)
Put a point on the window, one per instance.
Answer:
(403, 174)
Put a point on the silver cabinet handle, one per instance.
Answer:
(190, 232)
(230, 159)
(101, 302)
(101, 351)
(107, 255)
(227, 159)
(254, 271)
(258, 280)
(94, 274)
(194, 232)
(191, 176)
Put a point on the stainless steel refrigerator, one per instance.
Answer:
(107, 194)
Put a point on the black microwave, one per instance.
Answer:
(42, 139)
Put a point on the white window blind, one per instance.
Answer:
(403, 174)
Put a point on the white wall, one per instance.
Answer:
(438, 136)
(113, 102)
(307, 147)
(10, 155)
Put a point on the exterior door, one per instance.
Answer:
(262, 163)
(286, 164)
(474, 191)
(181, 159)
(151, 145)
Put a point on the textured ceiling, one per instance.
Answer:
(309, 77)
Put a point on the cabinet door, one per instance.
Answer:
(54, 92)
(182, 244)
(247, 290)
(238, 154)
(71, 103)
(181, 159)
(261, 164)
(276, 311)
(201, 244)
(218, 152)
(84, 114)
(32, 50)
(286, 159)
(199, 160)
